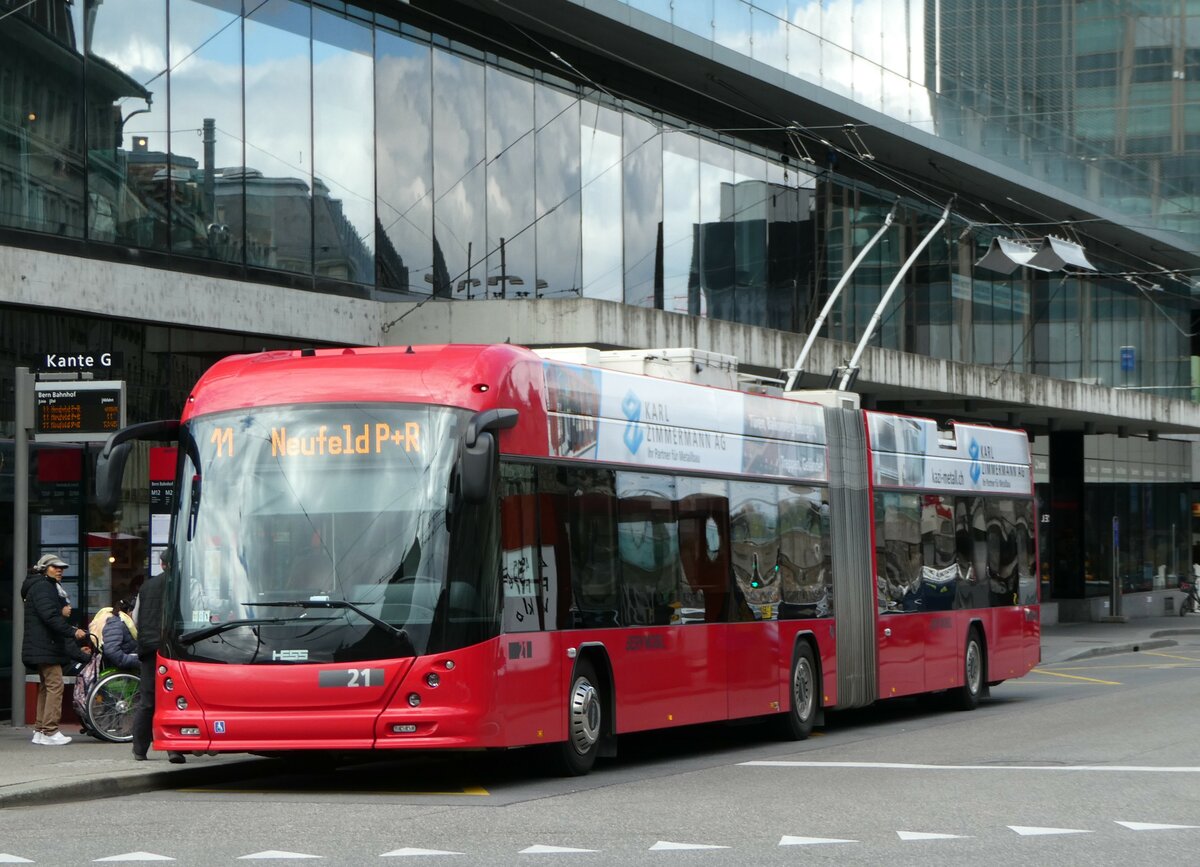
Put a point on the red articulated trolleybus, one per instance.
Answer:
(466, 547)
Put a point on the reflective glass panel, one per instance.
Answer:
(695, 16)
(756, 551)
(278, 169)
(769, 27)
(343, 149)
(648, 543)
(41, 118)
(600, 160)
(751, 199)
(404, 163)
(732, 25)
(558, 194)
(805, 553)
(459, 173)
(868, 27)
(804, 51)
(681, 223)
(716, 278)
(206, 128)
(129, 174)
(510, 195)
(702, 515)
(642, 206)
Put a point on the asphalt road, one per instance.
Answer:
(1086, 762)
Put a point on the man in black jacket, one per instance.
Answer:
(148, 617)
(46, 631)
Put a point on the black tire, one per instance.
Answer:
(966, 697)
(586, 716)
(110, 707)
(797, 722)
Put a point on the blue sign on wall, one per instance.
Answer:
(1128, 358)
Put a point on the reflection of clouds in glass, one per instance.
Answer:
(131, 36)
(206, 82)
(458, 165)
(404, 159)
(277, 129)
(343, 124)
(602, 277)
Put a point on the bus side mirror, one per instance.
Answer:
(477, 468)
(110, 465)
(477, 454)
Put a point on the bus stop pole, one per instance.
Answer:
(23, 412)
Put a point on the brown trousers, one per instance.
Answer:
(49, 699)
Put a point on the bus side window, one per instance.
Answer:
(702, 515)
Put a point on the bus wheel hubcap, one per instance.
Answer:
(802, 690)
(974, 671)
(585, 716)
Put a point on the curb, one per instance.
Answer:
(1110, 649)
(93, 788)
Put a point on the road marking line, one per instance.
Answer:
(1075, 677)
(787, 840)
(905, 766)
(1151, 826)
(925, 835)
(412, 852)
(1027, 831)
(552, 850)
(1170, 655)
(665, 845)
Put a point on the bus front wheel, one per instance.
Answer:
(585, 721)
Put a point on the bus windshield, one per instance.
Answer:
(311, 533)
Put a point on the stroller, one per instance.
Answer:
(104, 698)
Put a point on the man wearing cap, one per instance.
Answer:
(46, 631)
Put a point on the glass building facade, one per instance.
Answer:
(342, 150)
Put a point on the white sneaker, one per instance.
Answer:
(55, 740)
(39, 738)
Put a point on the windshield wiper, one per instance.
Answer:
(218, 628)
(396, 631)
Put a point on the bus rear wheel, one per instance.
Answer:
(797, 722)
(585, 723)
(966, 697)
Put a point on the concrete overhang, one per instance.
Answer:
(897, 381)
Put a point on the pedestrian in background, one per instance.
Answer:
(148, 617)
(46, 631)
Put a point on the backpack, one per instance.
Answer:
(85, 680)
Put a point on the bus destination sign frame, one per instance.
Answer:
(78, 411)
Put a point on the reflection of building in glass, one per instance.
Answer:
(754, 264)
